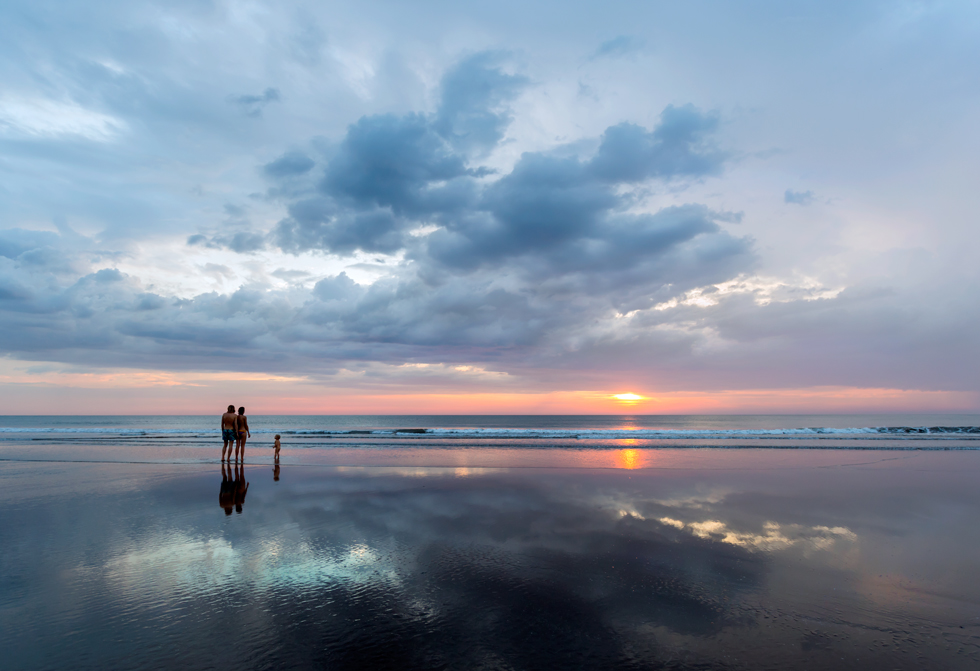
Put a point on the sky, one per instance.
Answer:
(489, 207)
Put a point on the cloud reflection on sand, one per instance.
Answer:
(176, 563)
(379, 533)
(421, 471)
(173, 561)
(774, 536)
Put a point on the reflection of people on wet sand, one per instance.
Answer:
(229, 431)
(275, 457)
(241, 488)
(226, 498)
(233, 487)
(242, 433)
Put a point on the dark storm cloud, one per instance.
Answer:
(235, 233)
(798, 197)
(14, 242)
(516, 257)
(395, 162)
(391, 173)
(289, 164)
(340, 288)
(513, 260)
(473, 113)
(243, 242)
(109, 318)
(32, 253)
(677, 147)
(252, 105)
(551, 215)
(529, 308)
(622, 45)
(316, 223)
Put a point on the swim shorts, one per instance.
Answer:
(227, 434)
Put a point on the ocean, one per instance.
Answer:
(326, 432)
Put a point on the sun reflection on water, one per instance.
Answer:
(629, 459)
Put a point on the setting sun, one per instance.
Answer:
(627, 397)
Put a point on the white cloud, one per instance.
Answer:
(764, 290)
(51, 118)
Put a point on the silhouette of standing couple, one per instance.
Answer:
(234, 430)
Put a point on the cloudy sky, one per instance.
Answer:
(489, 206)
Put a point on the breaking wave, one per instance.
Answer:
(917, 432)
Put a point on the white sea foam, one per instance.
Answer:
(917, 432)
(682, 434)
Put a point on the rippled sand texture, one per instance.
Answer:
(788, 561)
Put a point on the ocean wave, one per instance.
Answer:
(86, 429)
(919, 432)
(680, 434)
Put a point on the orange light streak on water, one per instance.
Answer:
(629, 459)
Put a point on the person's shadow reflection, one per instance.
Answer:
(233, 488)
(275, 472)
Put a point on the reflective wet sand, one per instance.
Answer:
(754, 559)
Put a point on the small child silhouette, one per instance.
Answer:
(277, 446)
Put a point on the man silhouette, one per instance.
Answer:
(229, 431)
(229, 487)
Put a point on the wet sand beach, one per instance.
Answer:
(504, 559)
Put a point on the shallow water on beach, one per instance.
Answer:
(515, 431)
(598, 441)
(670, 558)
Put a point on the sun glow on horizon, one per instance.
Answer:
(36, 387)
